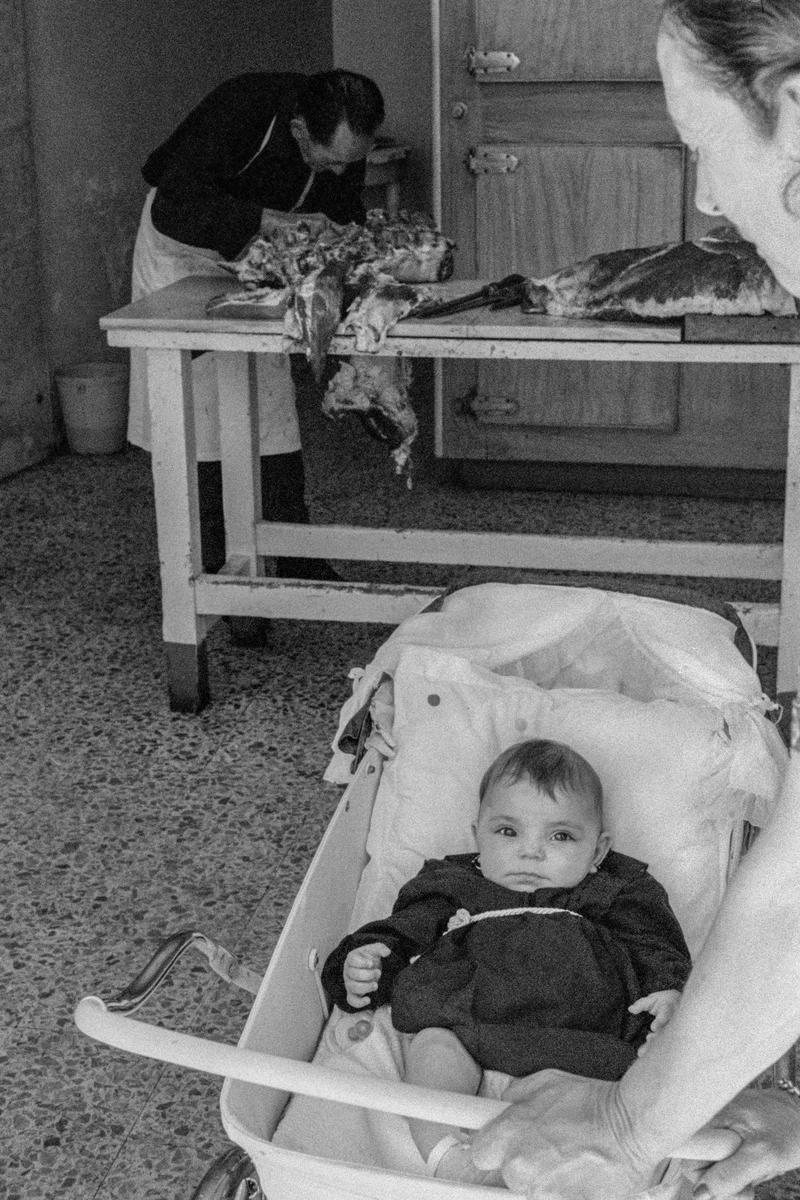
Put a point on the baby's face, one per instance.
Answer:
(527, 840)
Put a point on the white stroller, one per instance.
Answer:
(659, 699)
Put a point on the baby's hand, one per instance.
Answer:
(662, 1005)
(361, 972)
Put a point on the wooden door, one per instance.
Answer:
(545, 169)
(575, 200)
(569, 40)
(556, 144)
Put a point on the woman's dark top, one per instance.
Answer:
(212, 182)
(524, 991)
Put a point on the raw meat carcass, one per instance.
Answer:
(316, 313)
(719, 274)
(380, 303)
(408, 248)
(300, 256)
(369, 276)
(377, 391)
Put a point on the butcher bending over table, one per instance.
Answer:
(257, 149)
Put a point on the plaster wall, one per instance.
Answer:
(108, 80)
(390, 40)
(25, 427)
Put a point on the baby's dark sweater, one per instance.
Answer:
(531, 989)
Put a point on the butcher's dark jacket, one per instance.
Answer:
(212, 182)
(527, 990)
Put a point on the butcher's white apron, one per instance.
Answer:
(158, 261)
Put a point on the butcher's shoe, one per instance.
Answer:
(248, 631)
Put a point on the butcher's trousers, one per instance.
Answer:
(282, 499)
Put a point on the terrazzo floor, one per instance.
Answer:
(123, 821)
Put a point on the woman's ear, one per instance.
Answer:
(787, 132)
(787, 139)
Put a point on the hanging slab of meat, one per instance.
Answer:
(380, 303)
(378, 393)
(316, 313)
(370, 276)
(719, 274)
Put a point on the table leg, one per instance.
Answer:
(241, 464)
(174, 461)
(789, 635)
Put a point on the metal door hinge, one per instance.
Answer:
(492, 162)
(491, 62)
(493, 408)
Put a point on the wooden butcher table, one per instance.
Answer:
(172, 323)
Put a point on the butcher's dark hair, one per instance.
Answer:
(747, 48)
(551, 766)
(327, 99)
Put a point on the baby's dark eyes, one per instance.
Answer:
(560, 835)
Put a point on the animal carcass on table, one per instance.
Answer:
(719, 274)
(369, 277)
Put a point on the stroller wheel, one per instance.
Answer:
(232, 1176)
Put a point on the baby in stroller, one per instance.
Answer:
(544, 949)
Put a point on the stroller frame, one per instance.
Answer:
(272, 1059)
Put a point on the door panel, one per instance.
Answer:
(621, 113)
(572, 39)
(579, 395)
(561, 204)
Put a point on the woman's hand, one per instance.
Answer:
(661, 1005)
(768, 1122)
(569, 1138)
(361, 972)
(564, 1138)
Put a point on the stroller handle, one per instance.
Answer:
(93, 1018)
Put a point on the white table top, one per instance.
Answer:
(182, 306)
(175, 317)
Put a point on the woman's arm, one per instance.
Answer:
(740, 1009)
(739, 1012)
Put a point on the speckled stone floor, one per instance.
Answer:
(123, 821)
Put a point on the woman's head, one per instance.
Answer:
(731, 72)
(747, 48)
(540, 822)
